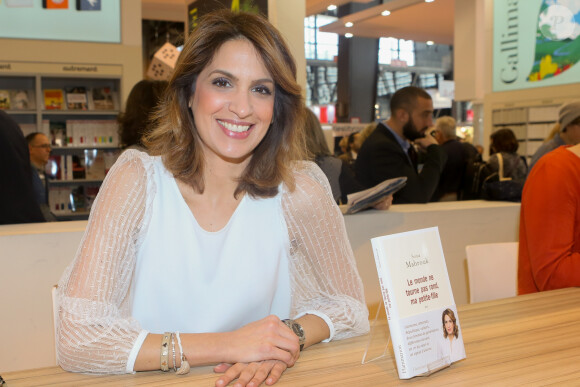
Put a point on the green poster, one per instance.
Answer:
(536, 43)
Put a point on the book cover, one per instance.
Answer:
(421, 313)
(58, 133)
(76, 98)
(53, 99)
(88, 5)
(4, 99)
(55, 4)
(22, 99)
(103, 98)
(361, 200)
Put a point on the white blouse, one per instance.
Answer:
(145, 265)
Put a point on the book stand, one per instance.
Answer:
(431, 367)
(372, 335)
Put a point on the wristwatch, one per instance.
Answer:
(297, 329)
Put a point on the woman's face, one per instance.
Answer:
(449, 325)
(233, 103)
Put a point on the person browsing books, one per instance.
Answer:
(390, 151)
(220, 244)
(450, 345)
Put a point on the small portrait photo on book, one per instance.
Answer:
(450, 342)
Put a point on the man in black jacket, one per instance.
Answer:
(390, 150)
(17, 201)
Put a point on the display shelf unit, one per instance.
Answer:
(76, 134)
(531, 125)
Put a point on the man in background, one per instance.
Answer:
(17, 201)
(39, 148)
(565, 132)
(390, 150)
(458, 155)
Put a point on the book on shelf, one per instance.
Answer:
(5, 99)
(57, 130)
(421, 312)
(361, 200)
(103, 98)
(53, 99)
(76, 98)
(22, 99)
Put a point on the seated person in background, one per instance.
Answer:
(17, 199)
(565, 132)
(389, 151)
(39, 148)
(349, 155)
(340, 176)
(221, 243)
(136, 121)
(514, 166)
(549, 248)
(458, 155)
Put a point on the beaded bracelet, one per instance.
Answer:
(184, 367)
(173, 350)
(165, 352)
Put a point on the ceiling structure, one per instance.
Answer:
(409, 19)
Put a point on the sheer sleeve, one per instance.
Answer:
(323, 273)
(96, 332)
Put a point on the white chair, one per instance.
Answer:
(492, 270)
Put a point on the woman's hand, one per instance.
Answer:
(265, 339)
(384, 204)
(250, 375)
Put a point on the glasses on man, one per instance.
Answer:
(45, 146)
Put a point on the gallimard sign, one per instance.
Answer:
(536, 43)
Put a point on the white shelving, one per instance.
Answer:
(75, 133)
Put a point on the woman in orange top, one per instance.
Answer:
(549, 250)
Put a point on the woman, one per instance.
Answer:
(219, 233)
(504, 141)
(549, 249)
(451, 346)
(136, 122)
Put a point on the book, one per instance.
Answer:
(55, 4)
(88, 5)
(53, 99)
(22, 99)
(361, 200)
(76, 98)
(421, 313)
(4, 99)
(103, 98)
(57, 131)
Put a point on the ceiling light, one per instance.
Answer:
(348, 35)
(331, 7)
(348, 24)
(430, 43)
(429, 1)
(386, 13)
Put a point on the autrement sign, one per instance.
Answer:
(536, 43)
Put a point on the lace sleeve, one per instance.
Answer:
(95, 330)
(323, 272)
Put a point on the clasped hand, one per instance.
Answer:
(258, 352)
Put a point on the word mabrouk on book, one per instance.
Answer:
(421, 312)
(358, 201)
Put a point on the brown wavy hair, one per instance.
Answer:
(451, 315)
(176, 138)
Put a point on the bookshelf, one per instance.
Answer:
(530, 124)
(78, 114)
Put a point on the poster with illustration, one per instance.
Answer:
(536, 43)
